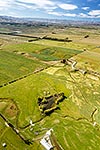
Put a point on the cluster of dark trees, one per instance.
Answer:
(57, 39)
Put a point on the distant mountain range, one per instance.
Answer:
(32, 21)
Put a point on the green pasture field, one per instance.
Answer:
(24, 47)
(32, 92)
(55, 53)
(71, 45)
(72, 123)
(76, 122)
(42, 52)
(13, 66)
(33, 87)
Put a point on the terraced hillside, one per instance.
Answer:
(33, 76)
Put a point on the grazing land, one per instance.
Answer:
(50, 78)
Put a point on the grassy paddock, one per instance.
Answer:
(70, 132)
(76, 123)
(14, 66)
(43, 52)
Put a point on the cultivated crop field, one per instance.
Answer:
(42, 69)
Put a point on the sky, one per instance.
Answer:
(52, 9)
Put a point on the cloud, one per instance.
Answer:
(91, 14)
(38, 3)
(67, 6)
(70, 15)
(52, 7)
(47, 8)
(82, 15)
(98, 16)
(85, 8)
(5, 4)
(55, 13)
(26, 6)
(46, 4)
(94, 13)
(21, 6)
(62, 14)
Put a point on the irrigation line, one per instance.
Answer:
(33, 123)
(15, 130)
(93, 113)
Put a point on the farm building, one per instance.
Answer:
(46, 140)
